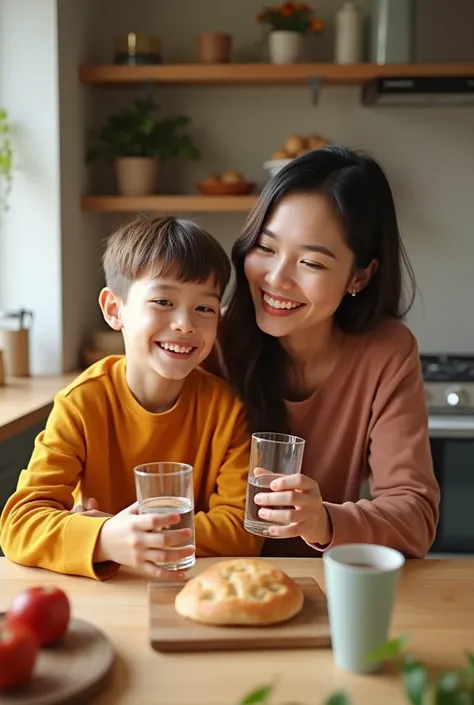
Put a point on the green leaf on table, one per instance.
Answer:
(340, 698)
(415, 681)
(470, 658)
(390, 650)
(259, 695)
(448, 690)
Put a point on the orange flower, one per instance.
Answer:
(287, 11)
(316, 25)
(260, 16)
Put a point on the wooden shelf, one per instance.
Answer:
(168, 204)
(261, 73)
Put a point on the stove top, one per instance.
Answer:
(449, 383)
(447, 368)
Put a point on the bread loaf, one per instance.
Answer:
(242, 591)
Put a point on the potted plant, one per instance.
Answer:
(288, 24)
(135, 139)
(6, 159)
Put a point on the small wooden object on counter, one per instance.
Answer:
(2, 370)
(15, 342)
(171, 633)
(77, 667)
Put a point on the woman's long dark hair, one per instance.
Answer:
(358, 190)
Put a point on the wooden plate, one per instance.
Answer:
(239, 188)
(72, 671)
(169, 632)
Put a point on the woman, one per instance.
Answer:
(313, 343)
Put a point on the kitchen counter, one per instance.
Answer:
(26, 400)
(434, 608)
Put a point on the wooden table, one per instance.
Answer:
(435, 606)
(25, 401)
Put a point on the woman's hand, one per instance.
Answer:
(304, 513)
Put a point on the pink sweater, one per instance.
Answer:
(368, 421)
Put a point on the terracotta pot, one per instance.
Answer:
(136, 176)
(213, 48)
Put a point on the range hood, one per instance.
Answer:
(419, 90)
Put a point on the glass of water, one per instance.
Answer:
(167, 488)
(272, 455)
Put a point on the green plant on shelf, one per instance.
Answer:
(137, 132)
(453, 687)
(6, 159)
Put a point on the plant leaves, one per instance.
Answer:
(259, 695)
(448, 690)
(470, 658)
(415, 681)
(339, 698)
(390, 650)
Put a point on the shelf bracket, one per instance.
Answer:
(315, 84)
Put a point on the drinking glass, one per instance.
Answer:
(272, 455)
(167, 488)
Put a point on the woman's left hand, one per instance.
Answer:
(303, 513)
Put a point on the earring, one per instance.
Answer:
(353, 292)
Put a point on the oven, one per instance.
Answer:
(449, 388)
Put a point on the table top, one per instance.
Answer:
(434, 608)
(26, 400)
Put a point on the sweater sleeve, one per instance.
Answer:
(37, 526)
(404, 506)
(220, 531)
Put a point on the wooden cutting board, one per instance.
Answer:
(72, 671)
(169, 632)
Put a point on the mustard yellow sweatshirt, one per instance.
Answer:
(95, 435)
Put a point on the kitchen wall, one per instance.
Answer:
(427, 153)
(50, 251)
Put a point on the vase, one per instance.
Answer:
(284, 47)
(136, 176)
(391, 31)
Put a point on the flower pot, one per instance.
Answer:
(136, 176)
(284, 46)
(214, 48)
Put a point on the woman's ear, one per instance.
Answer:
(110, 306)
(362, 277)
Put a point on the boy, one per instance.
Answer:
(164, 282)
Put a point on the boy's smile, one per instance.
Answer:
(169, 328)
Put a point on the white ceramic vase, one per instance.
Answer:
(284, 47)
(136, 176)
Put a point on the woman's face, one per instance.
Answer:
(300, 268)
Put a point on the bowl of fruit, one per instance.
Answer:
(227, 183)
(295, 146)
(47, 656)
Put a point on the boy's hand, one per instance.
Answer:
(137, 540)
(90, 508)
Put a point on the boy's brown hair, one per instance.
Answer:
(163, 247)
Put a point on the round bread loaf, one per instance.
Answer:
(241, 591)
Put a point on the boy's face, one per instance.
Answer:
(169, 326)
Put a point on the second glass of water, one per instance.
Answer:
(167, 488)
(272, 455)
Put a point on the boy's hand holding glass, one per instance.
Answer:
(139, 541)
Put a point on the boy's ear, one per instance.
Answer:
(110, 307)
